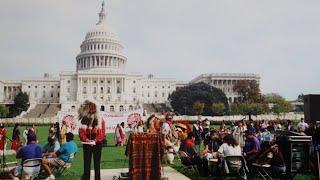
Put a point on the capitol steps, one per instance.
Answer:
(43, 111)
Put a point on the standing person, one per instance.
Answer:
(15, 138)
(2, 137)
(57, 131)
(25, 135)
(33, 129)
(238, 134)
(91, 134)
(51, 131)
(206, 130)
(117, 136)
(197, 130)
(289, 126)
(122, 134)
(63, 132)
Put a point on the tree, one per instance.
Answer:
(197, 108)
(218, 108)
(248, 91)
(234, 109)
(300, 98)
(4, 111)
(182, 100)
(279, 103)
(250, 101)
(21, 103)
(248, 109)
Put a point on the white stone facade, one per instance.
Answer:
(225, 81)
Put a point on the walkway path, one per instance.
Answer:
(169, 172)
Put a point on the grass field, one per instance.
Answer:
(112, 157)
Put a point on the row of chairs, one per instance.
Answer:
(235, 164)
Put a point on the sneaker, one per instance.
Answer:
(51, 177)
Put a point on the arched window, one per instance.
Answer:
(108, 90)
(121, 108)
(130, 108)
(84, 90)
(111, 108)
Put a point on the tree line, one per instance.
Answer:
(203, 99)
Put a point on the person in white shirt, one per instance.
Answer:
(302, 126)
(229, 147)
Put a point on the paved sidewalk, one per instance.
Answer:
(108, 174)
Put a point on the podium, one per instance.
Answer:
(145, 151)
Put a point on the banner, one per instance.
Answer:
(130, 119)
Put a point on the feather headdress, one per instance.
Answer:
(88, 115)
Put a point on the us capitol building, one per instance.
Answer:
(100, 76)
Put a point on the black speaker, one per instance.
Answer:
(312, 107)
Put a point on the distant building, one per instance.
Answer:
(225, 81)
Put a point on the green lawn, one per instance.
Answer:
(112, 157)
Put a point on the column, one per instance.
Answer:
(105, 87)
(123, 85)
(89, 89)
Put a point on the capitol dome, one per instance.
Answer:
(101, 49)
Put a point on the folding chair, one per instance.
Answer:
(60, 170)
(262, 170)
(31, 168)
(236, 165)
(187, 162)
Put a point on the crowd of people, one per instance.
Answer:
(255, 141)
(54, 153)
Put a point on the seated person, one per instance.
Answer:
(62, 155)
(212, 145)
(189, 148)
(275, 158)
(229, 147)
(50, 147)
(30, 151)
(252, 147)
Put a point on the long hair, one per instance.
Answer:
(87, 114)
(230, 140)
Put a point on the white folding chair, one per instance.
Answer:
(31, 168)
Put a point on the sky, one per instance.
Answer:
(181, 39)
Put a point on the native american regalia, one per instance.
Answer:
(2, 138)
(15, 139)
(92, 135)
